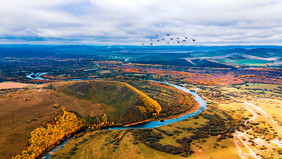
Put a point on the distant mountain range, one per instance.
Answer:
(199, 56)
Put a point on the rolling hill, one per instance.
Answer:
(121, 101)
(19, 117)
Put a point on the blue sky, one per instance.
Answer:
(132, 22)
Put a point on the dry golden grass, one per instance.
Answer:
(102, 144)
(8, 85)
(18, 117)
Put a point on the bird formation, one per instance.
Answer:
(168, 39)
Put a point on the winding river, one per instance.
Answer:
(150, 124)
(153, 124)
(37, 76)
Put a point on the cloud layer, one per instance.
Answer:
(212, 22)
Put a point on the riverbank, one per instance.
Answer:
(195, 107)
(153, 124)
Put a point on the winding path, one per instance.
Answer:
(251, 106)
(239, 134)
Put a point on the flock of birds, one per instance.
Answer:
(169, 40)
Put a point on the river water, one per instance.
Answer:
(153, 124)
(49, 154)
(37, 76)
(150, 124)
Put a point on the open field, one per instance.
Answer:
(147, 143)
(259, 107)
(18, 117)
(8, 85)
(268, 97)
(24, 110)
(102, 145)
(258, 128)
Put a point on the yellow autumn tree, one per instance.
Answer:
(44, 138)
(150, 105)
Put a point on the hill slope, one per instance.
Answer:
(121, 101)
(18, 117)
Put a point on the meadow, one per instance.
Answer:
(169, 141)
(26, 109)
(258, 107)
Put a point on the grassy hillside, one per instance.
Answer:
(18, 117)
(121, 101)
(172, 100)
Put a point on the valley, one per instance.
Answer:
(142, 104)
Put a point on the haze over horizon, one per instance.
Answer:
(127, 22)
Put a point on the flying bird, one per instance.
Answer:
(156, 35)
(158, 40)
(183, 40)
(167, 34)
(178, 41)
(171, 38)
(177, 38)
(186, 37)
(193, 39)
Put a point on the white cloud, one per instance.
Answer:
(210, 21)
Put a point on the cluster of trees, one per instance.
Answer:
(27, 99)
(94, 123)
(146, 105)
(216, 76)
(219, 124)
(185, 142)
(11, 91)
(176, 102)
(172, 100)
(45, 138)
(215, 126)
(266, 132)
(169, 133)
(56, 106)
(151, 139)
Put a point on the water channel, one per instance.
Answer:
(150, 124)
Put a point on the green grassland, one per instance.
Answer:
(248, 62)
(170, 141)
